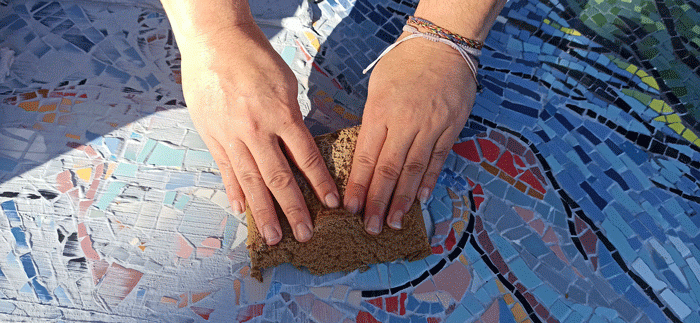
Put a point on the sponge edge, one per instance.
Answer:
(339, 243)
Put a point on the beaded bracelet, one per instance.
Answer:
(468, 53)
(444, 33)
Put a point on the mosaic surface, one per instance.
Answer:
(572, 194)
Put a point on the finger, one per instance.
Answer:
(369, 144)
(279, 179)
(302, 149)
(387, 172)
(414, 168)
(437, 159)
(234, 192)
(259, 199)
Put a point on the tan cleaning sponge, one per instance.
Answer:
(340, 242)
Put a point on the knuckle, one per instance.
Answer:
(280, 180)
(440, 153)
(294, 212)
(413, 168)
(401, 200)
(312, 161)
(251, 126)
(262, 215)
(250, 179)
(388, 171)
(365, 160)
(355, 188)
(377, 203)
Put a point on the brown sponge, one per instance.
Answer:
(340, 242)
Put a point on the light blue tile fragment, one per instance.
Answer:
(146, 150)
(169, 198)
(181, 201)
(62, 297)
(459, 315)
(113, 190)
(164, 155)
(126, 170)
(524, 274)
(398, 274)
(113, 144)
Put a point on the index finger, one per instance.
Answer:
(278, 177)
(305, 154)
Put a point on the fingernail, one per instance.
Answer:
(303, 232)
(374, 225)
(424, 194)
(353, 205)
(236, 206)
(396, 220)
(332, 200)
(271, 234)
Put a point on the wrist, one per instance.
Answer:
(227, 41)
(469, 19)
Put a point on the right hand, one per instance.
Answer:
(243, 101)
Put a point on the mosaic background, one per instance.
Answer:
(572, 195)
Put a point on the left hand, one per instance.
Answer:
(419, 98)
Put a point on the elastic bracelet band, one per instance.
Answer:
(463, 50)
(444, 32)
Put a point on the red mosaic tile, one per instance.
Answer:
(450, 241)
(250, 312)
(531, 299)
(589, 241)
(392, 304)
(520, 287)
(478, 190)
(205, 312)
(530, 157)
(437, 250)
(365, 317)
(498, 261)
(530, 179)
(514, 146)
(518, 161)
(536, 171)
(580, 225)
(498, 137)
(541, 311)
(467, 150)
(594, 262)
(485, 242)
(378, 302)
(489, 150)
(478, 200)
(478, 225)
(505, 163)
(434, 320)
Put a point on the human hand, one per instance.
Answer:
(419, 98)
(243, 101)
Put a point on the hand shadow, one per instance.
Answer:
(85, 73)
(337, 88)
